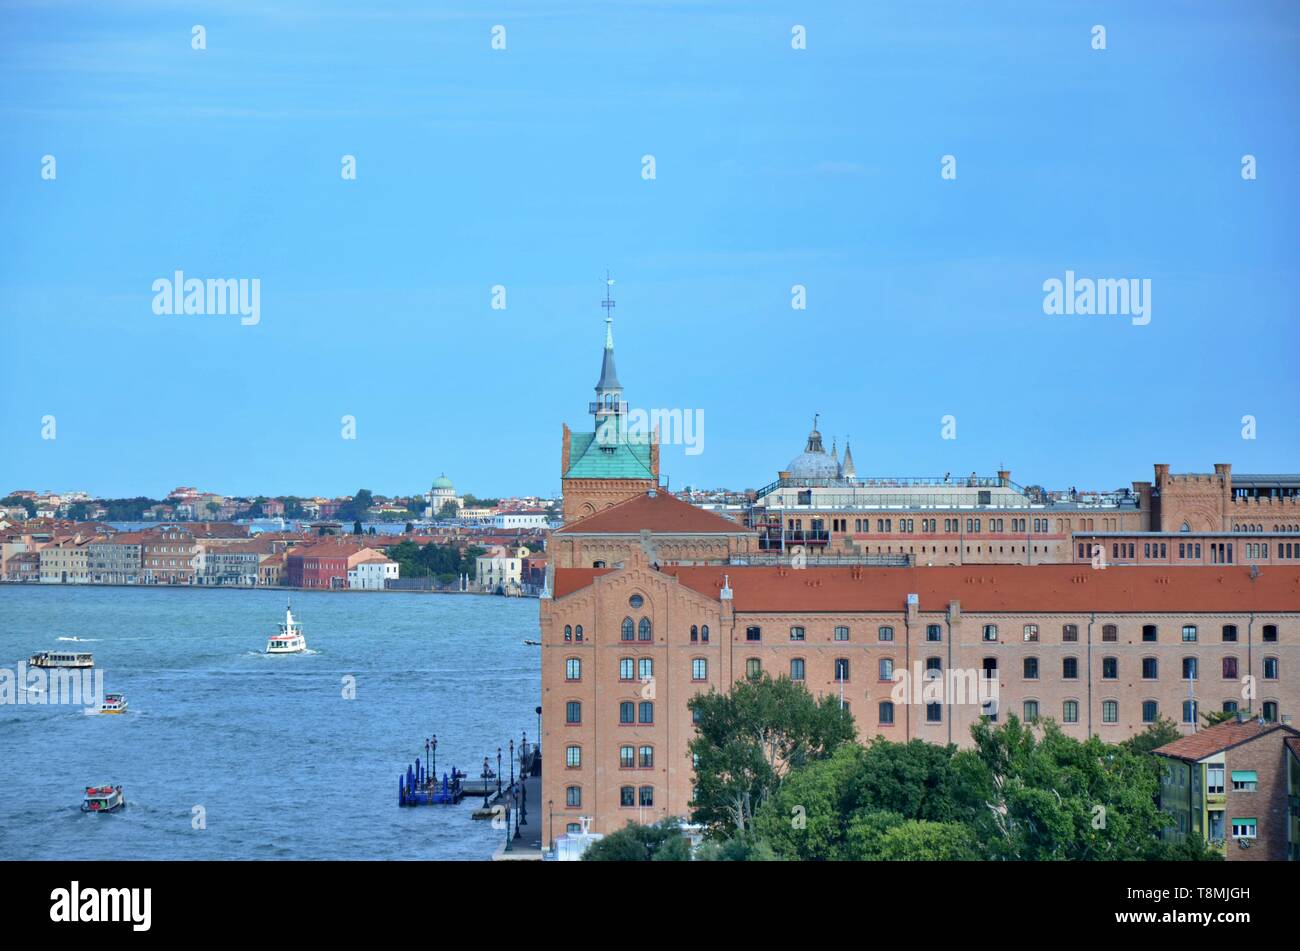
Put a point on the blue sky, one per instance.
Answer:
(522, 167)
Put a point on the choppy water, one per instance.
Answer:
(283, 765)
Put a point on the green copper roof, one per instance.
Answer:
(588, 459)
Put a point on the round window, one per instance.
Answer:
(636, 600)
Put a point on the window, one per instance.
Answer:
(1070, 668)
(626, 669)
(1189, 711)
(645, 668)
(841, 669)
(1069, 632)
(1110, 668)
(626, 796)
(1189, 632)
(643, 631)
(796, 668)
(1244, 780)
(1270, 633)
(636, 600)
(699, 668)
(1230, 706)
(573, 712)
(1031, 632)
(933, 632)
(627, 712)
(933, 668)
(886, 634)
(1150, 711)
(695, 633)
(1229, 668)
(626, 757)
(1214, 780)
(753, 633)
(573, 757)
(1150, 668)
(1031, 710)
(1110, 711)
(934, 713)
(1229, 632)
(1243, 828)
(886, 667)
(753, 667)
(886, 712)
(990, 632)
(841, 633)
(645, 711)
(797, 634)
(1149, 633)
(647, 796)
(1189, 668)
(1109, 632)
(573, 668)
(578, 635)
(704, 633)
(573, 796)
(1270, 711)
(1270, 668)
(568, 632)
(1070, 711)
(1031, 668)
(646, 757)
(627, 630)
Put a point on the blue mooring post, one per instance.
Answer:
(401, 791)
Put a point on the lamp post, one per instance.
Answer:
(539, 724)
(523, 802)
(426, 762)
(516, 799)
(434, 753)
(487, 789)
(550, 823)
(498, 772)
(512, 764)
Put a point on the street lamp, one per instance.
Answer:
(550, 823)
(434, 754)
(516, 798)
(498, 772)
(486, 787)
(512, 764)
(426, 759)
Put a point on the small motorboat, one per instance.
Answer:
(528, 643)
(290, 639)
(113, 703)
(103, 799)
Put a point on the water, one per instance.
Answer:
(283, 765)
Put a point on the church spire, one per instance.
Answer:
(847, 469)
(609, 408)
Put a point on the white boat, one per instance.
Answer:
(61, 659)
(290, 639)
(113, 703)
(103, 799)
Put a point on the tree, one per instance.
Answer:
(357, 507)
(449, 509)
(661, 842)
(410, 527)
(1162, 731)
(1052, 797)
(26, 503)
(356, 527)
(1215, 717)
(750, 739)
(917, 840)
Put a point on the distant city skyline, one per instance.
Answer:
(522, 169)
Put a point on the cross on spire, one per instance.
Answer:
(608, 302)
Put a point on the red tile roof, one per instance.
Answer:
(1059, 589)
(1216, 739)
(658, 511)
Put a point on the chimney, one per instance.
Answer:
(1004, 477)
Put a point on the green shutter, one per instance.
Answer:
(1244, 776)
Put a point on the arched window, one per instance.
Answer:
(568, 632)
(695, 633)
(643, 629)
(704, 633)
(577, 633)
(628, 629)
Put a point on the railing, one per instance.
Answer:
(822, 559)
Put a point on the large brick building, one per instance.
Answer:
(921, 604)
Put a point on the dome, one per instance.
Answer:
(442, 482)
(813, 462)
(813, 465)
